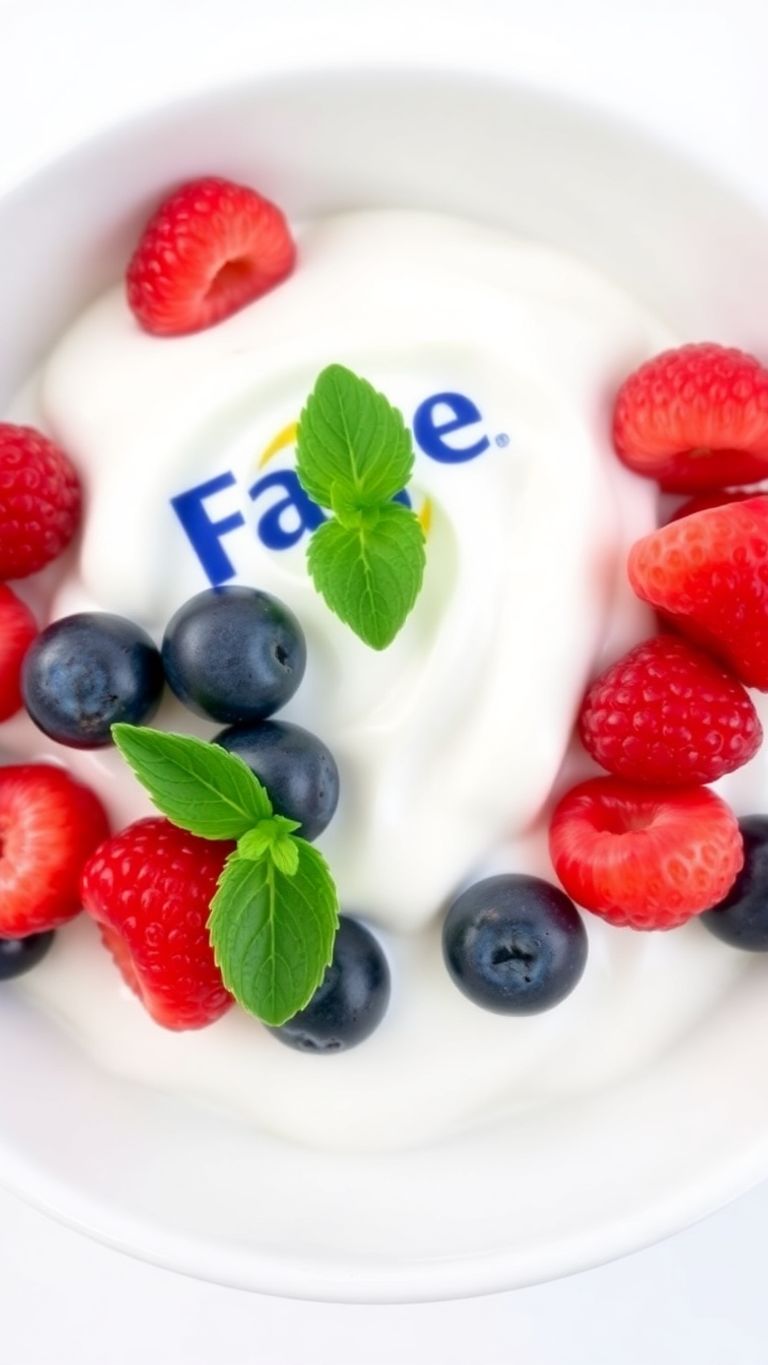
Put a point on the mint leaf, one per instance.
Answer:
(199, 786)
(351, 438)
(354, 454)
(344, 508)
(256, 842)
(272, 837)
(272, 934)
(370, 575)
(275, 913)
(285, 855)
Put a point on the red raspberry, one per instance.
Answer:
(17, 631)
(210, 249)
(39, 501)
(695, 418)
(709, 573)
(702, 502)
(667, 714)
(150, 889)
(49, 824)
(646, 857)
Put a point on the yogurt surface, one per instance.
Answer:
(449, 743)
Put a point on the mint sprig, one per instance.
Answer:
(272, 837)
(272, 930)
(354, 454)
(274, 917)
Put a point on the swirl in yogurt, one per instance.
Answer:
(449, 743)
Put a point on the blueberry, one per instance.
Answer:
(297, 769)
(20, 955)
(514, 944)
(350, 1001)
(87, 671)
(741, 919)
(234, 654)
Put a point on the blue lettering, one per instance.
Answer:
(204, 534)
(293, 514)
(303, 514)
(429, 429)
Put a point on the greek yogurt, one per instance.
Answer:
(503, 356)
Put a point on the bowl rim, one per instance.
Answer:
(339, 1281)
(472, 75)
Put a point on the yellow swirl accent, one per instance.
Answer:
(286, 437)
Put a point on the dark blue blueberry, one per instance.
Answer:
(514, 944)
(741, 919)
(87, 671)
(351, 1000)
(298, 771)
(234, 654)
(20, 955)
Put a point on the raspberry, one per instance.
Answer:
(49, 824)
(150, 888)
(695, 418)
(17, 631)
(667, 714)
(209, 250)
(646, 857)
(701, 502)
(39, 501)
(708, 573)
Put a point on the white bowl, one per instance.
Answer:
(516, 1199)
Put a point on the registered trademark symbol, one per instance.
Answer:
(502, 439)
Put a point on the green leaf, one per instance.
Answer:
(271, 837)
(256, 842)
(354, 454)
(285, 856)
(273, 934)
(344, 509)
(351, 438)
(371, 575)
(284, 825)
(199, 786)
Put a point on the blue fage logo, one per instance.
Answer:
(283, 522)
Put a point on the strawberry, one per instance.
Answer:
(709, 573)
(17, 631)
(665, 713)
(695, 418)
(149, 888)
(646, 857)
(49, 824)
(210, 249)
(39, 501)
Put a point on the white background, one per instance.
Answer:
(693, 72)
